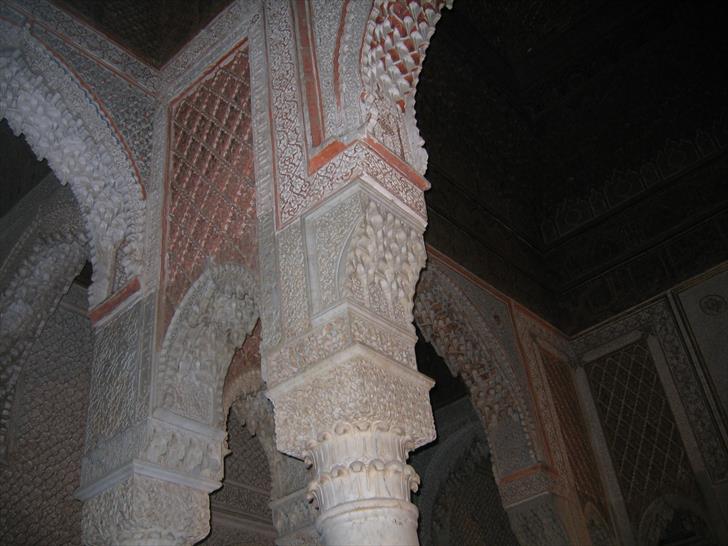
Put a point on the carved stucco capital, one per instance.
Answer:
(361, 461)
(355, 417)
(356, 386)
(362, 481)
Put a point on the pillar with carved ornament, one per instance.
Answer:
(347, 394)
(341, 239)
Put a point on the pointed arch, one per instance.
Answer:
(37, 271)
(215, 316)
(463, 339)
(61, 123)
(663, 511)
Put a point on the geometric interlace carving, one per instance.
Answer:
(645, 445)
(469, 510)
(573, 428)
(212, 186)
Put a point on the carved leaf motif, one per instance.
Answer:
(385, 258)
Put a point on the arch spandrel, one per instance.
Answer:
(62, 123)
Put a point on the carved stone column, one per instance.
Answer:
(363, 485)
(347, 395)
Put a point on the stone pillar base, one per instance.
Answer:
(381, 522)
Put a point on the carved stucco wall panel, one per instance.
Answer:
(660, 453)
(119, 398)
(657, 319)
(212, 210)
(142, 510)
(583, 467)
(93, 43)
(297, 190)
(294, 285)
(702, 304)
(533, 335)
(328, 20)
(130, 109)
(270, 307)
(61, 122)
(328, 231)
(574, 481)
(583, 471)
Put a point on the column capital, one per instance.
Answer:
(356, 386)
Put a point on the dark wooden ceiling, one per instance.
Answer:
(153, 30)
(578, 148)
